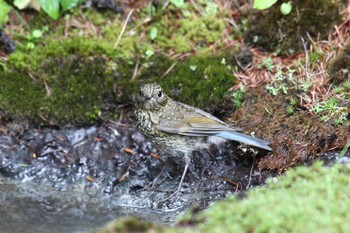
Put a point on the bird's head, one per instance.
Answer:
(151, 97)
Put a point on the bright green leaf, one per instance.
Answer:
(46, 28)
(37, 33)
(21, 4)
(186, 13)
(30, 45)
(69, 4)
(177, 3)
(263, 4)
(223, 61)
(5, 9)
(193, 67)
(211, 8)
(154, 32)
(149, 53)
(24, 4)
(51, 7)
(23, 165)
(286, 8)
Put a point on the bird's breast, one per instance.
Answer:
(147, 122)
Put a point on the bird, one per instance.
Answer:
(179, 129)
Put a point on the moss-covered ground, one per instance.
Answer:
(73, 75)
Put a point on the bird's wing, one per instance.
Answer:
(186, 120)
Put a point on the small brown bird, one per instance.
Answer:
(179, 128)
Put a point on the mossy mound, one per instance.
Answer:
(339, 67)
(130, 224)
(201, 32)
(75, 75)
(296, 138)
(273, 31)
(69, 90)
(67, 82)
(305, 200)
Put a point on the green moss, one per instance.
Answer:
(193, 81)
(20, 96)
(76, 78)
(99, 18)
(130, 224)
(198, 31)
(272, 31)
(305, 200)
(67, 90)
(315, 57)
(73, 89)
(54, 46)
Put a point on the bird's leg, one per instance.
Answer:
(163, 169)
(155, 180)
(187, 163)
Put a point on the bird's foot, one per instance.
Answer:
(174, 195)
(178, 190)
(157, 180)
(153, 183)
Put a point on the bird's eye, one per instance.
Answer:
(159, 94)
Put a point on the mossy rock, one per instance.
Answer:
(313, 199)
(80, 80)
(69, 90)
(77, 90)
(130, 225)
(273, 31)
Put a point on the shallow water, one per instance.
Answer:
(30, 208)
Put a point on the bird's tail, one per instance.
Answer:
(245, 139)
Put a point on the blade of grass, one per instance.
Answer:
(345, 149)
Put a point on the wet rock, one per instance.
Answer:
(105, 4)
(6, 43)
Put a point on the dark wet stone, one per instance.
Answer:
(6, 43)
(105, 5)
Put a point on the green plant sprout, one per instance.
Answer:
(345, 149)
(329, 108)
(267, 63)
(237, 97)
(285, 8)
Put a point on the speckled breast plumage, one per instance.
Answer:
(148, 120)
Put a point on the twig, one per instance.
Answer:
(123, 28)
(250, 174)
(306, 55)
(169, 69)
(134, 74)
